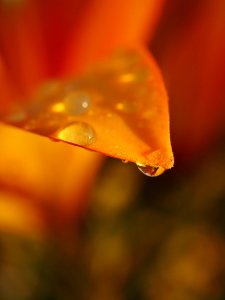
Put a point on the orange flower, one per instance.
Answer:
(128, 118)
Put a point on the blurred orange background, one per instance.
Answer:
(77, 225)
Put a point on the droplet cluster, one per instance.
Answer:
(53, 112)
(65, 110)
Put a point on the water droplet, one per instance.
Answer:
(151, 171)
(79, 133)
(77, 102)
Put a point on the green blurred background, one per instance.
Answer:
(140, 238)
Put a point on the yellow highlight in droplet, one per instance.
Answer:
(58, 107)
(78, 133)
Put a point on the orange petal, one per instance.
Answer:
(118, 107)
(103, 25)
(57, 20)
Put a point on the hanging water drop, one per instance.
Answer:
(77, 102)
(78, 133)
(151, 171)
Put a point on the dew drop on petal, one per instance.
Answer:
(78, 133)
(77, 102)
(150, 171)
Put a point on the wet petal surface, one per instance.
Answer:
(118, 107)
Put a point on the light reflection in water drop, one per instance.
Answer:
(79, 133)
(150, 171)
(77, 102)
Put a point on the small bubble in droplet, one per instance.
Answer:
(79, 133)
(77, 102)
(124, 161)
(151, 171)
